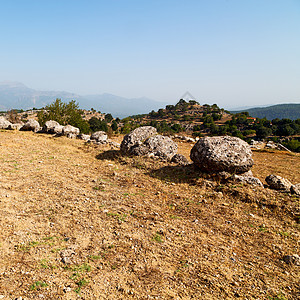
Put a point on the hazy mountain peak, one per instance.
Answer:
(12, 84)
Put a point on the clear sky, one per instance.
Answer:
(231, 52)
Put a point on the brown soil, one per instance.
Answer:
(135, 228)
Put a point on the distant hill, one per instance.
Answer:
(15, 95)
(280, 111)
(119, 106)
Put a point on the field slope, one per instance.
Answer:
(82, 221)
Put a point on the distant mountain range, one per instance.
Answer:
(280, 111)
(15, 95)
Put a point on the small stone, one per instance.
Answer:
(67, 289)
(278, 183)
(293, 259)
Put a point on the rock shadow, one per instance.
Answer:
(110, 155)
(179, 174)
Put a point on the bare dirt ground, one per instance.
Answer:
(81, 221)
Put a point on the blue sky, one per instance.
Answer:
(230, 52)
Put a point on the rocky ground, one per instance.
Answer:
(83, 221)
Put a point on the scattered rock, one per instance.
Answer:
(99, 137)
(84, 137)
(293, 259)
(278, 183)
(67, 255)
(249, 180)
(295, 189)
(113, 144)
(161, 146)
(180, 159)
(16, 126)
(136, 138)
(31, 125)
(222, 153)
(4, 123)
(52, 127)
(70, 131)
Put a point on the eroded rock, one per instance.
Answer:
(31, 125)
(161, 146)
(99, 137)
(70, 131)
(222, 153)
(278, 183)
(136, 138)
(52, 127)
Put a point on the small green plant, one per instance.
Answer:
(158, 238)
(38, 285)
(279, 296)
(174, 217)
(120, 217)
(81, 283)
(94, 257)
(262, 228)
(284, 234)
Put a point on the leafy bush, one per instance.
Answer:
(64, 114)
(293, 145)
(97, 124)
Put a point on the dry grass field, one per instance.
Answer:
(82, 221)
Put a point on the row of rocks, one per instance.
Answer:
(53, 127)
(258, 145)
(228, 157)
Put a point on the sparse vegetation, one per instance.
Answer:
(135, 225)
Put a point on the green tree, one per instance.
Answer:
(114, 126)
(108, 117)
(64, 114)
(97, 124)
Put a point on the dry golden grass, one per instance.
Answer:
(139, 228)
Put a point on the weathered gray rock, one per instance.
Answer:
(113, 144)
(180, 159)
(295, 189)
(278, 183)
(293, 259)
(222, 153)
(4, 123)
(84, 137)
(161, 146)
(99, 137)
(16, 126)
(136, 138)
(52, 127)
(70, 131)
(140, 150)
(249, 180)
(31, 125)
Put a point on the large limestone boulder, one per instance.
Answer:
(99, 137)
(4, 123)
(161, 146)
(136, 138)
(70, 131)
(31, 125)
(278, 183)
(52, 127)
(222, 153)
